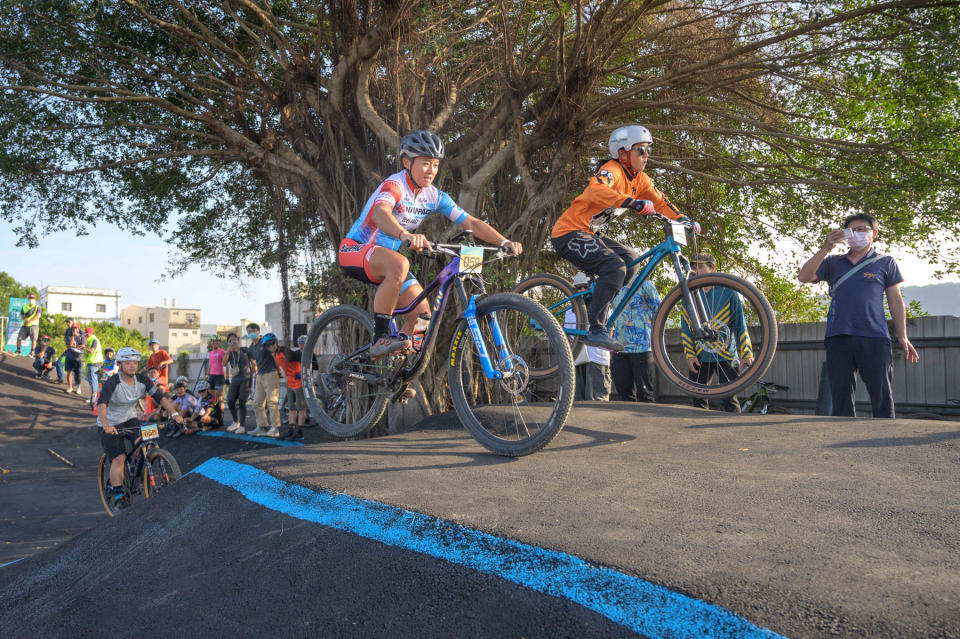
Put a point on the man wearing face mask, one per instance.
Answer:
(857, 338)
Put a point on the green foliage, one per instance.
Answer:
(183, 364)
(110, 334)
(10, 287)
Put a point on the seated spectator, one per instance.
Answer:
(289, 360)
(45, 360)
(152, 412)
(187, 404)
(631, 367)
(209, 413)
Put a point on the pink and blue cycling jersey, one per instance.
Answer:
(408, 206)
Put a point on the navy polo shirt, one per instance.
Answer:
(857, 305)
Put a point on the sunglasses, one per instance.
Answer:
(642, 151)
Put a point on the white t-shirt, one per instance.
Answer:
(596, 355)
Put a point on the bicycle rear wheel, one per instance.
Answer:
(554, 293)
(339, 384)
(737, 314)
(519, 414)
(165, 468)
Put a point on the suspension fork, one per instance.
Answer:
(693, 302)
(470, 316)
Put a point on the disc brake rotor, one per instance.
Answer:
(722, 339)
(516, 376)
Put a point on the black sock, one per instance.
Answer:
(381, 325)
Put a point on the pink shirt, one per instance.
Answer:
(216, 361)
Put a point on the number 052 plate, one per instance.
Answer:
(149, 432)
(471, 259)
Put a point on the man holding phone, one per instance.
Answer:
(857, 338)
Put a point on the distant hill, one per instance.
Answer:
(936, 299)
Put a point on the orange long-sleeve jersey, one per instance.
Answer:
(602, 201)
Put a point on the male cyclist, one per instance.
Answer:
(618, 186)
(390, 217)
(117, 408)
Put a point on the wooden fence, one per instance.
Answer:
(928, 386)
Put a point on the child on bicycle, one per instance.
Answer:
(117, 409)
(396, 209)
(618, 186)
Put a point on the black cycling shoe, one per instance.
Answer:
(297, 435)
(287, 434)
(599, 338)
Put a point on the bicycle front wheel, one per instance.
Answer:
(556, 295)
(103, 485)
(339, 381)
(740, 324)
(517, 414)
(165, 469)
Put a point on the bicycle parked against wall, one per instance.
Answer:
(147, 469)
(491, 354)
(694, 317)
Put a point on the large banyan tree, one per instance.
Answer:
(269, 123)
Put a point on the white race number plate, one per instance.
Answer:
(679, 234)
(471, 259)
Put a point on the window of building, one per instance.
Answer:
(140, 320)
(129, 321)
(101, 308)
(151, 334)
(151, 318)
(66, 306)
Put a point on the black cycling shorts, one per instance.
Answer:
(216, 381)
(113, 444)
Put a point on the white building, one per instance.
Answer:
(177, 329)
(301, 312)
(82, 304)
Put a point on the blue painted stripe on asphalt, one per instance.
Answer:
(642, 606)
(270, 441)
(10, 563)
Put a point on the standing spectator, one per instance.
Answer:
(631, 367)
(46, 360)
(159, 359)
(253, 352)
(93, 358)
(723, 306)
(238, 379)
(593, 364)
(289, 361)
(30, 329)
(266, 391)
(215, 357)
(857, 337)
(74, 341)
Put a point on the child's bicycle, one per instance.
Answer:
(147, 468)
(714, 313)
(493, 350)
(760, 401)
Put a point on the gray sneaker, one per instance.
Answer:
(388, 345)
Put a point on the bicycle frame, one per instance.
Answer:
(449, 275)
(669, 247)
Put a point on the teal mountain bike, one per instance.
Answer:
(717, 318)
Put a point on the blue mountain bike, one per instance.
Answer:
(713, 335)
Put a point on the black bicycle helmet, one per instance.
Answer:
(421, 144)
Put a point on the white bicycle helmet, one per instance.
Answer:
(181, 380)
(127, 354)
(626, 136)
(203, 385)
(301, 340)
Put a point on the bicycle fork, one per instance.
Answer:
(470, 315)
(693, 302)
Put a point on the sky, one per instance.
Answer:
(139, 267)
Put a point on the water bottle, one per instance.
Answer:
(420, 329)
